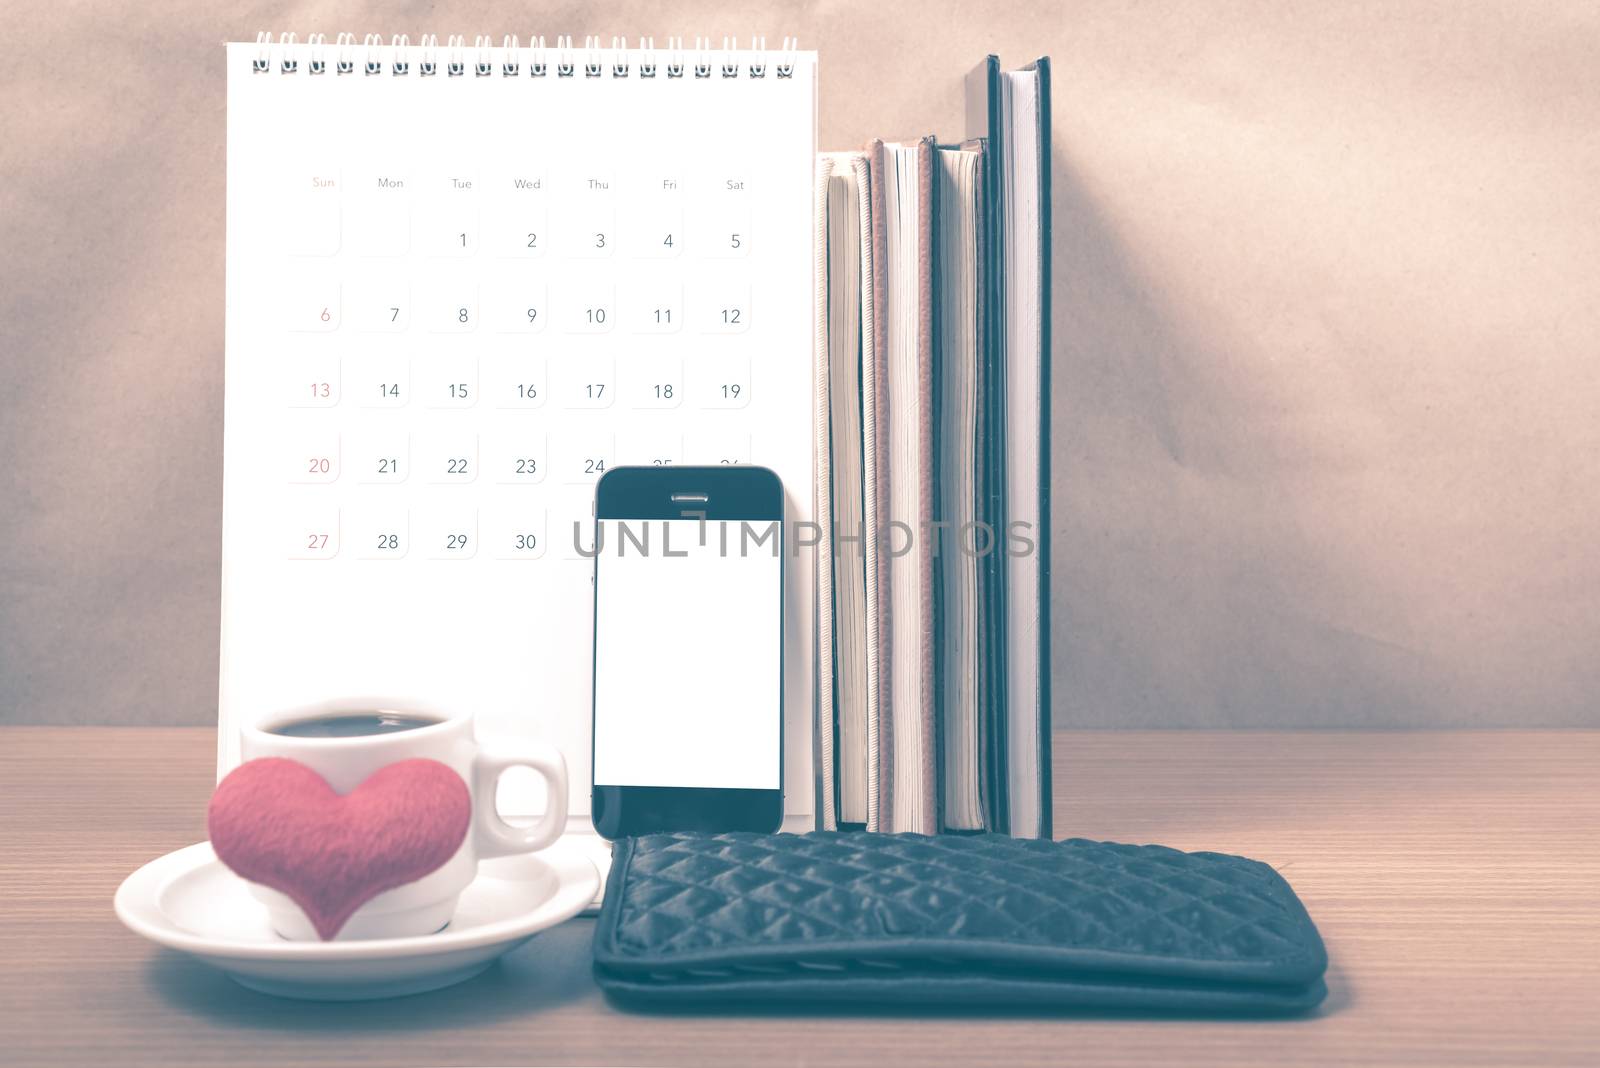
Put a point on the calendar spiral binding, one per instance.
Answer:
(371, 56)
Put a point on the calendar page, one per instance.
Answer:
(463, 283)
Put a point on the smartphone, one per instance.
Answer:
(688, 650)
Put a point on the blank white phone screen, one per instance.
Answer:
(688, 654)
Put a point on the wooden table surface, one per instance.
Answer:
(1455, 877)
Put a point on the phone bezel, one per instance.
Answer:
(733, 492)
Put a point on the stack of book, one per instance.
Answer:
(933, 342)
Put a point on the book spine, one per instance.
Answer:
(822, 503)
(875, 429)
(1046, 783)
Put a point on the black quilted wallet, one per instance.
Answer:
(981, 920)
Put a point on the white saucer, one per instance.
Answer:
(189, 901)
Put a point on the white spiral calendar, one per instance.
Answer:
(463, 281)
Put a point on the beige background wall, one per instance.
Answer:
(1327, 407)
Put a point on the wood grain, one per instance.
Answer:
(1454, 875)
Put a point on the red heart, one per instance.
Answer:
(276, 822)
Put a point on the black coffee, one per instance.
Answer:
(352, 725)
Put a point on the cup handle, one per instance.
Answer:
(497, 838)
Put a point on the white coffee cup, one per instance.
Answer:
(424, 906)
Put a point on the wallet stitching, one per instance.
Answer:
(1051, 906)
(1263, 893)
(1263, 886)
